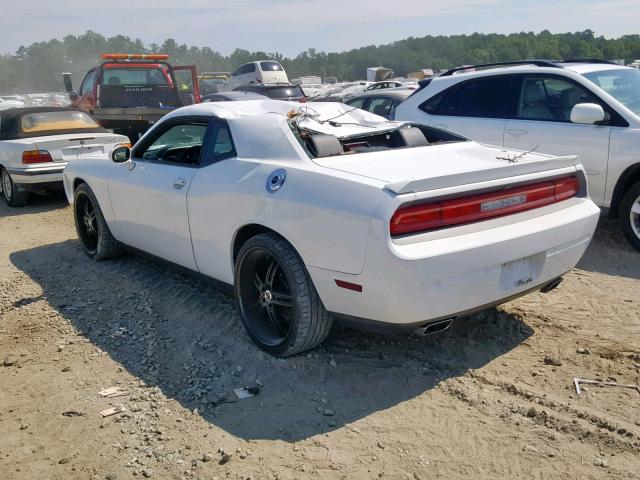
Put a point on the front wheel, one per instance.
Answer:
(91, 226)
(280, 307)
(12, 196)
(630, 216)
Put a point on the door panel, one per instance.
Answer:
(187, 78)
(543, 122)
(482, 130)
(149, 202)
(589, 142)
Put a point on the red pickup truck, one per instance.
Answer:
(130, 92)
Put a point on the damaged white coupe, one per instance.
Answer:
(321, 212)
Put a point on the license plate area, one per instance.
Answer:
(521, 273)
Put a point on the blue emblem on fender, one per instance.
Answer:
(276, 180)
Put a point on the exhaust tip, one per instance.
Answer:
(552, 285)
(435, 327)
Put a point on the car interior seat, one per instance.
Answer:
(114, 81)
(534, 102)
(568, 99)
(381, 109)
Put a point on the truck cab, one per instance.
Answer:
(130, 92)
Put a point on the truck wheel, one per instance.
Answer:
(93, 231)
(12, 196)
(630, 216)
(280, 307)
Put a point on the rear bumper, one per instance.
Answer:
(413, 284)
(24, 178)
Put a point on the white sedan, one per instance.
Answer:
(320, 211)
(36, 144)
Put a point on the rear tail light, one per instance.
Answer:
(36, 156)
(430, 216)
(258, 80)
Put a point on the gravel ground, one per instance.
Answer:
(491, 398)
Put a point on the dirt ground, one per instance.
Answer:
(491, 398)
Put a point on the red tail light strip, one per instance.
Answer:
(430, 216)
(36, 156)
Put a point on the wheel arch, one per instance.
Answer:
(77, 181)
(248, 231)
(628, 178)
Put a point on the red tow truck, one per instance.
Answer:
(130, 92)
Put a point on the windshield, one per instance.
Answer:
(50, 121)
(622, 84)
(284, 92)
(133, 76)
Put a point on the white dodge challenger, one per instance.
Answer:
(320, 211)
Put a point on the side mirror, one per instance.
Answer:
(68, 84)
(587, 113)
(121, 154)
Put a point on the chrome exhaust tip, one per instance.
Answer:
(435, 327)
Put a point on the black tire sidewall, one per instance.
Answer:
(84, 190)
(299, 293)
(7, 198)
(17, 198)
(107, 245)
(625, 215)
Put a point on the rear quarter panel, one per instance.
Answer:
(11, 152)
(326, 217)
(624, 151)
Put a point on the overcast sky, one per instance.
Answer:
(291, 26)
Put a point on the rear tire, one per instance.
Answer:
(12, 196)
(630, 216)
(280, 307)
(93, 231)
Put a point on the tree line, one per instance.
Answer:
(38, 67)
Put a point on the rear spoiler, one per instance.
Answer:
(466, 178)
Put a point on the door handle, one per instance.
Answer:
(179, 182)
(517, 132)
(443, 126)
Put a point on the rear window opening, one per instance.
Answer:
(278, 93)
(54, 121)
(324, 145)
(271, 67)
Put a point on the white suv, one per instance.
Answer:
(590, 108)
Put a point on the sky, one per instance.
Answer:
(292, 26)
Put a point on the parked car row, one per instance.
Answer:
(377, 213)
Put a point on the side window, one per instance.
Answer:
(219, 143)
(483, 97)
(180, 144)
(251, 68)
(380, 106)
(87, 83)
(356, 103)
(550, 99)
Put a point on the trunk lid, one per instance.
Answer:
(64, 148)
(420, 169)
